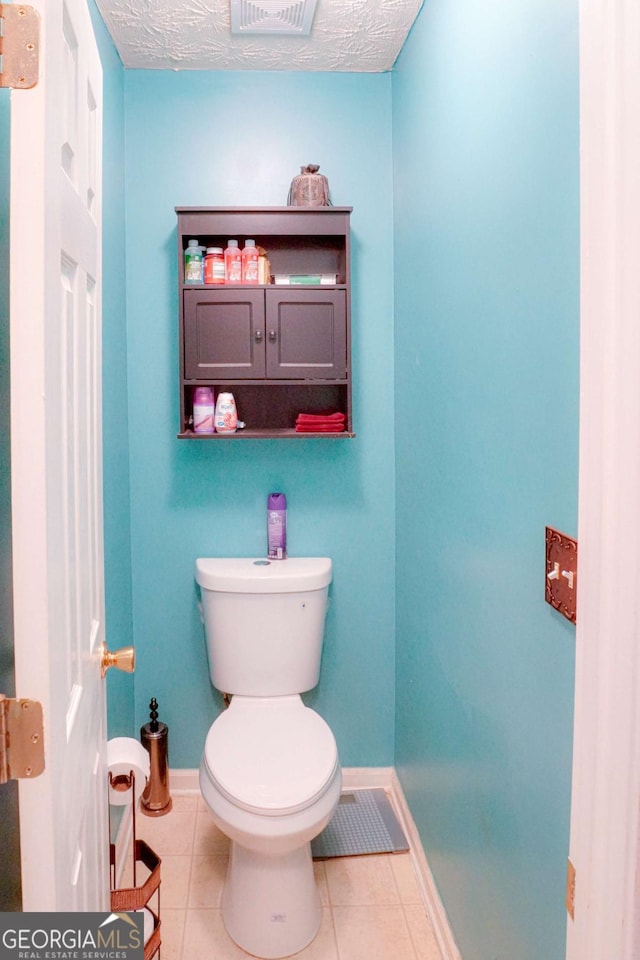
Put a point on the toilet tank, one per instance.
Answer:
(264, 622)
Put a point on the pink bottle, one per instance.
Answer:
(233, 263)
(250, 259)
(203, 410)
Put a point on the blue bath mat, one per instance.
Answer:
(363, 823)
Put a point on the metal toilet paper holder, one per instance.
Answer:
(125, 899)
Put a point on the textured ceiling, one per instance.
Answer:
(347, 35)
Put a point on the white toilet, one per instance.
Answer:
(270, 773)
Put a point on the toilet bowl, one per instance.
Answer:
(271, 779)
(270, 773)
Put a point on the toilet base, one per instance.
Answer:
(270, 904)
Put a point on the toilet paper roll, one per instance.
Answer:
(149, 923)
(125, 756)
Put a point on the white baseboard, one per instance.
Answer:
(367, 778)
(186, 783)
(426, 883)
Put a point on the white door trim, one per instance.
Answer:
(605, 842)
(56, 459)
(29, 499)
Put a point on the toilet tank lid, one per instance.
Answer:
(257, 575)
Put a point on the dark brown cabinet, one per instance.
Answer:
(265, 333)
(281, 349)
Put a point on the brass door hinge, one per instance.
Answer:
(570, 898)
(19, 46)
(21, 739)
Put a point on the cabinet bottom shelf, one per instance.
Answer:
(266, 434)
(271, 410)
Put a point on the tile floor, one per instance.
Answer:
(372, 908)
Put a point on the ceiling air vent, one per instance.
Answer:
(292, 17)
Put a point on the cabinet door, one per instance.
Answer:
(223, 334)
(306, 334)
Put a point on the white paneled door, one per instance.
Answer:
(56, 459)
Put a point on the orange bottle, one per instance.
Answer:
(214, 265)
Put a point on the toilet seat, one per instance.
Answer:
(272, 756)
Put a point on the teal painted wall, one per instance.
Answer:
(485, 137)
(117, 526)
(224, 138)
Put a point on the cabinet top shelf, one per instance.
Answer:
(242, 211)
(264, 221)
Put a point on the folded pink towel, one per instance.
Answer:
(312, 417)
(312, 420)
(335, 427)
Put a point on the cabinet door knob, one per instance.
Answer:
(272, 336)
(258, 336)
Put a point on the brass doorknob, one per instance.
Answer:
(123, 659)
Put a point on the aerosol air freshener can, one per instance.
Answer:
(277, 526)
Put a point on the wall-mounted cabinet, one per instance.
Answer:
(281, 349)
